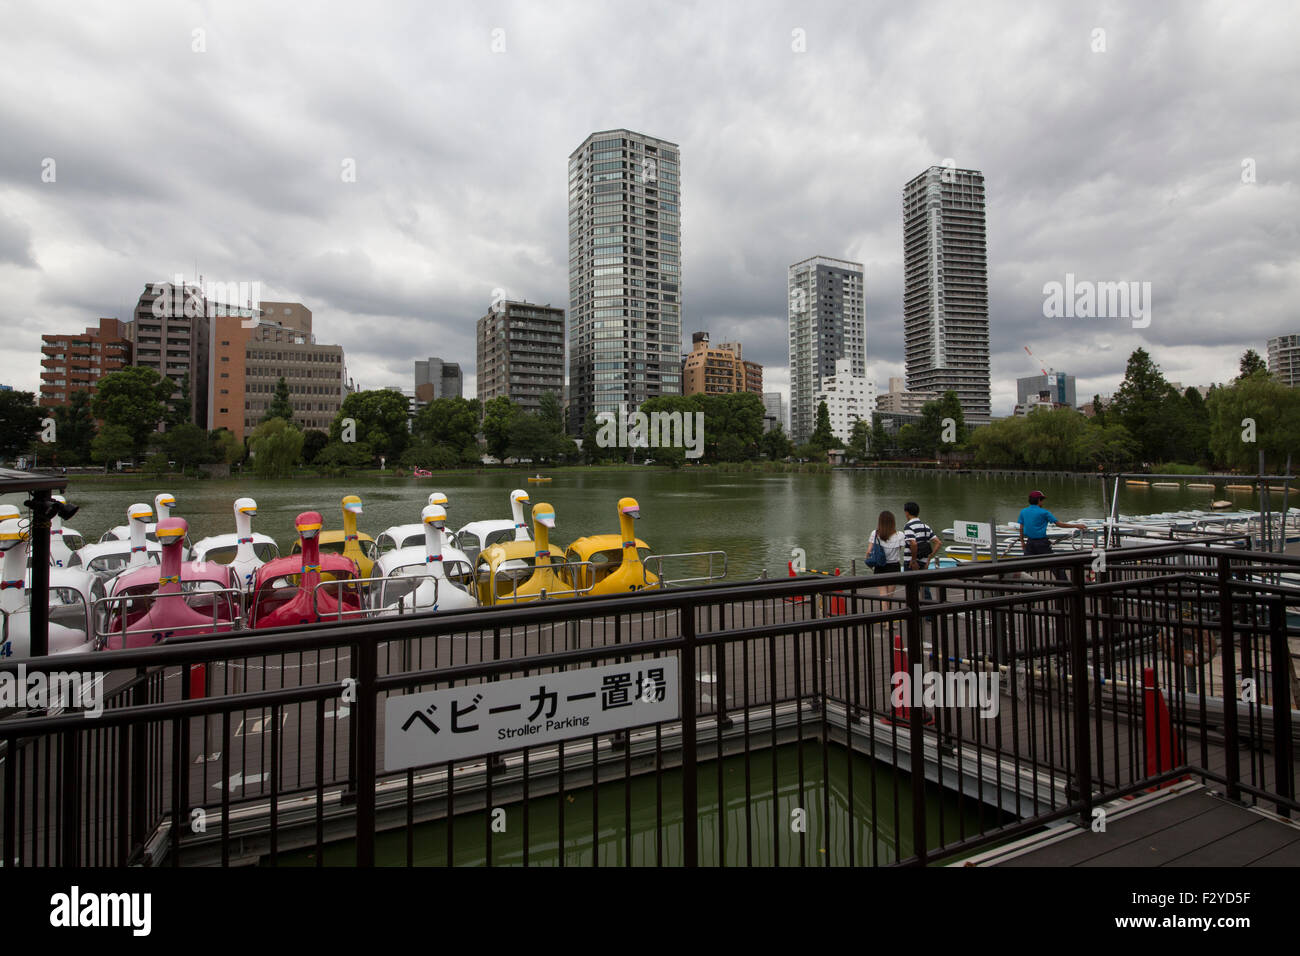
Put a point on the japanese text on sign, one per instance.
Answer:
(480, 719)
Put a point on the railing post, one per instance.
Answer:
(366, 751)
(138, 806)
(690, 796)
(916, 725)
(70, 836)
(1080, 685)
(1280, 654)
(1227, 646)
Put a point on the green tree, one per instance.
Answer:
(859, 439)
(499, 415)
(551, 412)
(1098, 412)
(178, 404)
(822, 438)
(450, 425)
(776, 444)
(380, 417)
(339, 456)
(1252, 415)
(880, 444)
(280, 406)
(313, 441)
(136, 399)
(20, 420)
(276, 447)
(188, 444)
(113, 443)
(591, 448)
(1142, 405)
(1251, 364)
(531, 436)
(225, 447)
(74, 429)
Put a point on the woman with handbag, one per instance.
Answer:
(885, 549)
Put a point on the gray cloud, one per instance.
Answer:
(1123, 164)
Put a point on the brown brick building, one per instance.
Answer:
(719, 370)
(73, 362)
(249, 354)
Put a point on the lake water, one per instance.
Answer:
(755, 517)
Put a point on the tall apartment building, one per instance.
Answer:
(1054, 388)
(774, 411)
(945, 287)
(520, 353)
(827, 316)
(71, 363)
(251, 351)
(710, 371)
(899, 400)
(1284, 359)
(625, 264)
(848, 397)
(172, 332)
(435, 378)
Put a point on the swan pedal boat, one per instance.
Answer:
(612, 563)
(71, 620)
(244, 551)
(288, 591)
(177, 599)
(358, 547)
(430, 577)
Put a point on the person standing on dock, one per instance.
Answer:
(1033, 530)
(889, 560)
(921, 543)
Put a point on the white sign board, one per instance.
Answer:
(973, 532)
(480, 719)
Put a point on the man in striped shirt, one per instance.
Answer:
(919, 540)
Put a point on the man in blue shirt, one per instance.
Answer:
(1033, 529)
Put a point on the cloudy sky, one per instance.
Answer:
(213, 138)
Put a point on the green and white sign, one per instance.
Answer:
(973, 532)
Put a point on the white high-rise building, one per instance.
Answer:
(945, 287)
(827, 315)
(848, 397)
(1284, 359)
(625, 267)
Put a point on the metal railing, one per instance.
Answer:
(788, 700)
(710, 575)
(106, 628)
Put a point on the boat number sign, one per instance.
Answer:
(480, 719)
(973, 532)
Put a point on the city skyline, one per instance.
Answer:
(1085, 178)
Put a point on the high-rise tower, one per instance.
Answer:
(827, 314)
(625, 265)
(946, 288)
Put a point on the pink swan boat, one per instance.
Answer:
(175, 599)
(286, 589)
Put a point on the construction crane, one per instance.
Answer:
(1031, 355)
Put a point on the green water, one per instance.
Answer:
(756, 518)
(826, 840)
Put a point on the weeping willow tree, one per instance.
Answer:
(276, 448)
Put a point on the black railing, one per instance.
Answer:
(792, 744)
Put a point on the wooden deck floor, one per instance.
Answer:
(1191, 828)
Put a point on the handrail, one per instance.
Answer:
(101, 620)
(663, 582)
(543, 594)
